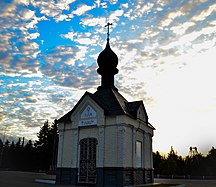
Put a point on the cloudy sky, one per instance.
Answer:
(48, 52)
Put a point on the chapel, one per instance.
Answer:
(105, 140)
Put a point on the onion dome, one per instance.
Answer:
(107, 61)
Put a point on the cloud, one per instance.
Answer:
(114, 16)
(62, 17)
(66, 66)
(85, 41)
(4, 42)
(16, 46)
(93, 21)
(31, 105)
(64, 4)
(139, 10)
(28, 14)
(24, 2)
(60, 55)
(124, 5)
(32, 24)
(81, 53)
(34, 35)
(30, 50)
(69, 35)
(191, 39)
(184, 11)
(82, 9)
(52, 9)
(22, 66)
(205, 13)
(188, 6)
(170, 17)
(182, 28)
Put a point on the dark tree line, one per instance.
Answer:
(190, 166)
(38, 156)
(41, 155)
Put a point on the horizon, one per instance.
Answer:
(16, 139)
(166, 52)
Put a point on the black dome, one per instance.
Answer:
(107, 61)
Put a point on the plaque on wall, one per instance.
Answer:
(88, 117)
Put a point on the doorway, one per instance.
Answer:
(87, 167)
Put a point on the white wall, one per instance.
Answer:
(116, 135)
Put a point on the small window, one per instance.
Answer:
(138, 154)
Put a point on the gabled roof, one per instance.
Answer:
(112, 102)
(66, 117)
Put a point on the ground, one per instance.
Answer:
(188, 183)
(27, 179)
(21, 179)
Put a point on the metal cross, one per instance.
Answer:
(108, 24)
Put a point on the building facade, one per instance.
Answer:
(105, 140)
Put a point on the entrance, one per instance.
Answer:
(87, 168)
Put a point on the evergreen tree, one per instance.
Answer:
(18, 153)
(28, 157)
(211, 162)
(157, 161)
(45, 145)
(54, 140)
(29, 146)
(5, 155)
(32, 157)
(43, 136)
(169, 166)
(172, 165)
(1, 144)
(1, 153)
(195, 165)
(11, 155)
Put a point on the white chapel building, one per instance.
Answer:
(105, 140)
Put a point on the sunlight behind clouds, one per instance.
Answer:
(188, 97)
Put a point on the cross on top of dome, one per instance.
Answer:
(108, 34)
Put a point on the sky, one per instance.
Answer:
(166, 51)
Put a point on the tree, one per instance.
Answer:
(211, 162)
(157, 161)
(1, 152)
(29, 157)
(54, 138)
(5, 155)
(172, 165)
(46, 145)
(43, 136)
(11, 155)
(1, 144)
(18, 154)
(195, 163)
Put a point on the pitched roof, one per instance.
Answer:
(112, 102)
(66, 117)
